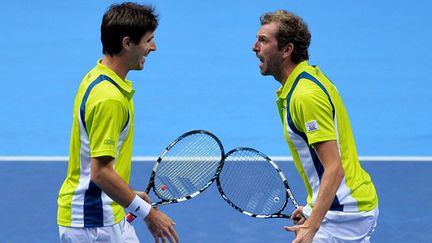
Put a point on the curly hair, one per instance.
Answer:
(292, 29)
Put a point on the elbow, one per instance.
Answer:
(96, 176)
(336, 173)
(100, 169)
(339, 173)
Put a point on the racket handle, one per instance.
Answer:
(130, 217)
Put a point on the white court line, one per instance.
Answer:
(61, 158)
(371, 158)
(275, 158)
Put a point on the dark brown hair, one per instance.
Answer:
(126, 20)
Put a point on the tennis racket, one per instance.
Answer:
(254, 185)
(187, 167)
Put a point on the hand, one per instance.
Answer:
(161, 226)
(297, 216)
(304, 233)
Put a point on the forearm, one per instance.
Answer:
(328, 154)
(103, 174)
(330, 182)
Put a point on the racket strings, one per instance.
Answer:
(199, 153)
(188, 166)
(252, 184)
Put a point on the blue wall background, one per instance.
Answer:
(205, 76)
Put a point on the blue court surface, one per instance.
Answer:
(204, 75)
(30, 190)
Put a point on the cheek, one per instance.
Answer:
(273, 56)
(268, 52)
(143, 48)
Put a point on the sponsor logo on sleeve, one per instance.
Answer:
(312, 126)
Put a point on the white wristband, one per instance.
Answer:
(139, 207)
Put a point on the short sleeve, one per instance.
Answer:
(106, 120)
(313, 114)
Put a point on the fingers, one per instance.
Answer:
(298, 219)
(291, 228)
(174, 233)
(297, 216)
(170, 234)
(156, 238)
(163, 238)
(298, 211)
(162, 227)
(294, 229)
(171, 238)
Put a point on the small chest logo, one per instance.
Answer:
(312, 126)
(109, 142)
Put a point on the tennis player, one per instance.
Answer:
(95, 193)
(342, 204)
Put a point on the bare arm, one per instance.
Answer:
(103, 174)
(333, 173)
(328, 154)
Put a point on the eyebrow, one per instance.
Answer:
(262, 36)
(150, 38)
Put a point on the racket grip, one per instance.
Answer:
(130, 217)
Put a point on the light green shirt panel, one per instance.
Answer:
(106, 116)
(105, 122)
(312, 112)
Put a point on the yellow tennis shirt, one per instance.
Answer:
(312, 111)
(102, 126)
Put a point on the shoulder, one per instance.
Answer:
(307, 91)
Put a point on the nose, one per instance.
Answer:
(255, 47)
(153, 46)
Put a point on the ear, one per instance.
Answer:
(126, 43)
(287, 50)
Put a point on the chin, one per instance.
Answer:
(137, 68)
(264, 72)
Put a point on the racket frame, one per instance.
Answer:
(150, 184)
(289, 194)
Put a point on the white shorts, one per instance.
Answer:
(345, 227)
(122, 232)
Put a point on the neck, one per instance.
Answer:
(286, 71)
(116, 64)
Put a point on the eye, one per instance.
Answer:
(262, 39)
